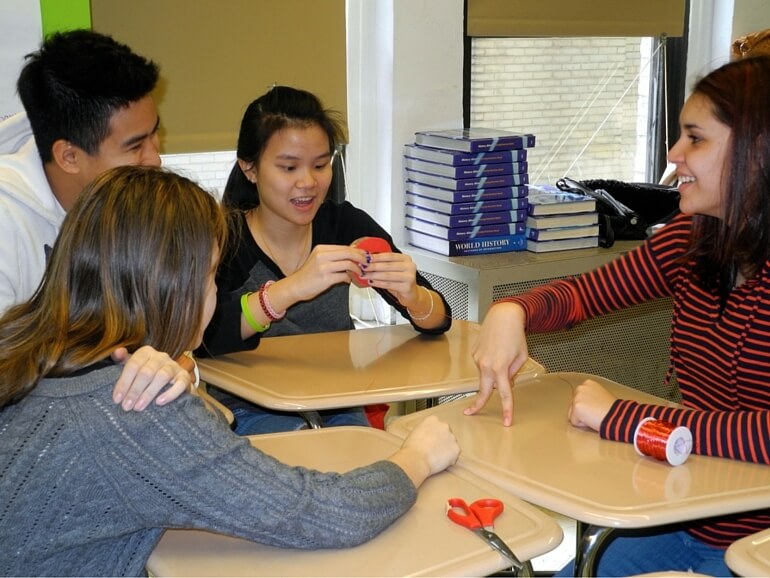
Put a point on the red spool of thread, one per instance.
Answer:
(372, 245)
(663, 441)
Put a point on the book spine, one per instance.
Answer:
(472, 195)
(539, 209)
(553, 234)
(466, 171)
(458, 233)
(560, 221)
(503, 143)
(466, 208)
(467, 220)
(487, 245)
(458, 158)
(474, 141)
(477, 219)
(469, 184)
(480, 246)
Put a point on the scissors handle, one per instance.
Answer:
(486, 510)
(480, 514)
(460, 513)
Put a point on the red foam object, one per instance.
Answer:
(373, 245)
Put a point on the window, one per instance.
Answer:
(602, 106)
(586, 99)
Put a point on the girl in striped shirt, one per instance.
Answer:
(714, 261)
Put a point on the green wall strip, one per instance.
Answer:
(58, 15)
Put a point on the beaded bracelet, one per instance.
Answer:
(271, 313)
(428, 314)
(247, 315)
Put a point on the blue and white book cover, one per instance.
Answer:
(549, 199)
(474, 139)
(455, 158)
(466, 196)
(562, 244)
(454, 234)
(466, 220)
(563, 220)
(467, 247)
(492, 182)
(465, 171)
(562, 233)
(450, 208)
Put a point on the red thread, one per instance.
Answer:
(663, 441)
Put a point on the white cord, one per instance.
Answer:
(359, 321)
(574, 123)
(664, 56)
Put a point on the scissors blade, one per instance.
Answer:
(497, 543)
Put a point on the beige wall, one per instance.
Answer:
(750, 16)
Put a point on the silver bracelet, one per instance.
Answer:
(430, 311)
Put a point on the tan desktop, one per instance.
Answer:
(630, 346)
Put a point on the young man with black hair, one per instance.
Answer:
(87, 108)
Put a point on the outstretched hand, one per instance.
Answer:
(499, 352)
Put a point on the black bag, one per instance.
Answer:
(627, 211)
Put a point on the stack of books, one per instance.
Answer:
(559, 220)
(466, 191)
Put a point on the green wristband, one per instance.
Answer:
(253, 323)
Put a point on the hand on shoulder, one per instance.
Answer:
(146, 373)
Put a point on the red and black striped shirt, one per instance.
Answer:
(721, 354)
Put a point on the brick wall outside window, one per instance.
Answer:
(569, 92)
(210, 170)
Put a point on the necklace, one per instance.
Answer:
(258, 230)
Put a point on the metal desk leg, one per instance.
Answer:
(526, 570)
(590, 539)
(313, 419)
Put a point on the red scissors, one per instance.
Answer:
(480, 517)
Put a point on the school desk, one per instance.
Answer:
(423, 542)
(604, 484)
(339, 369)
(750, 556)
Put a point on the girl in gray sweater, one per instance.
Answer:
(88, 489)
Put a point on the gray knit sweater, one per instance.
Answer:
(87, 489)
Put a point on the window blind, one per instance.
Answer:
(575, 17)
(216, 57)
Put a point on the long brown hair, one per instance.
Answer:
(739, 94)
(128, 269)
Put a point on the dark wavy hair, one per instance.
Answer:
(73, 85)
(128, 269)
(281, 107)
(739, 94)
